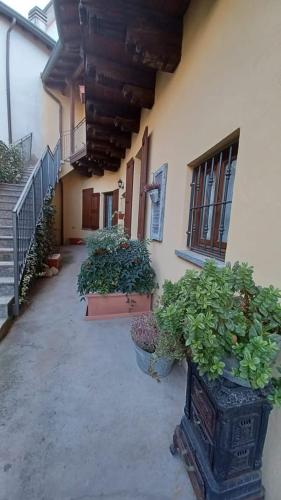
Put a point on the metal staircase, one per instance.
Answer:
(20, 211)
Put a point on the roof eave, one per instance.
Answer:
(27, 25)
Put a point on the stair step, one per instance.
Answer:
(9, 185)
(6, 254)
(5, 324)
(6, 302)
(6, 285)
(6, 196)
(6, 269)
(6, 241)
(7, 205)
(6, 230)
(5, 213)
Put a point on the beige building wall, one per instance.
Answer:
(228, 79)
(32, 110)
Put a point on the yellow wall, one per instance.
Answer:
(73, 184)
(228, 79)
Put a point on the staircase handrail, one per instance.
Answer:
(28, 210)
(20, 144)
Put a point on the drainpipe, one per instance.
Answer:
(8, 86)
(55, 98)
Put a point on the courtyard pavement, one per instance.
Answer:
(78, 419)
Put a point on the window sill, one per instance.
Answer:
(196, 258)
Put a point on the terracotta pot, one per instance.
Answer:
(76, 241)
(116, 305)
(54, 260)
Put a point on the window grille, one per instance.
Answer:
(210, 202)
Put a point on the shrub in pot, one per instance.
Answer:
(222, 318)
(119, 269)
(11, 163)
(145, 335)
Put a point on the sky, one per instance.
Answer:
(23, 6)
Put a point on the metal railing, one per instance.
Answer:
(72, 144)
(24, 145)
(80, 136)
(28, 211)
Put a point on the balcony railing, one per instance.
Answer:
(28, 211)
(80, 136)
(74, 142)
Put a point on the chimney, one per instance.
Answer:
(38, 17)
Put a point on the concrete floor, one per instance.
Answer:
(78, 419)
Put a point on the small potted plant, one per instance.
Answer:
(153, 190)
(145, 335)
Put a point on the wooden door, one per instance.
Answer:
(90, 209)
(143, 182)
(129, 197)
(87, 208)
(115, 206)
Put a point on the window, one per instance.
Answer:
(108, 210)
(111, 201)
(210, 203)
(158, 204)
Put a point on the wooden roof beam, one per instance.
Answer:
(121, 140)
(108, 149)
(114, 74)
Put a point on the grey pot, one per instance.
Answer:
(151, 365)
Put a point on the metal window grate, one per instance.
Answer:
(210, 202)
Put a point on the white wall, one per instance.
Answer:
(28, 57)
(3, 106)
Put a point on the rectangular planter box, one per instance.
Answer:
(117, 305)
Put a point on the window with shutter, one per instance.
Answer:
(158, 205)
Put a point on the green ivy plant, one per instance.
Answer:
(116, 264)
(11, 163)
(43, 245)
(221, 313)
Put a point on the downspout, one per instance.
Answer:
(8, 83)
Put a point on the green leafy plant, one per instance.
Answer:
(116, 264)
(42, 246)
(11, 163)
(219, 313)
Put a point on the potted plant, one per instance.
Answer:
(227, 324)
(230, 330)
(153, 190)
(117, 278)
(145, 335)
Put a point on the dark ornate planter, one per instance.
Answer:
(221, 438)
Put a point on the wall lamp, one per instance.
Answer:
(120, 184)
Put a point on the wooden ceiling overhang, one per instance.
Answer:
(115, 48)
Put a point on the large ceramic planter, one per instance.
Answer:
(116, 305)
(151, 365)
